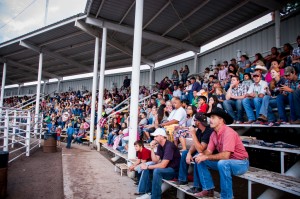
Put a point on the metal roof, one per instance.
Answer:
(170, 27)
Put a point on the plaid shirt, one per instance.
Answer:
(102, 122)
(240, 90)
(294, 84)
(296, 51)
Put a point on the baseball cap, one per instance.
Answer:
(201, 118)
(159, 131)
(288, 70)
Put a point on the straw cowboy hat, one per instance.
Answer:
(262, 68)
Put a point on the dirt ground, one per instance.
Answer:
(35, 177)
(41, 176)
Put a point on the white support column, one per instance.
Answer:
(151, 77)
(93, 108)
(6, 128)
(38, 93)
(19, 88)
(195, 62)
(101, 84)
(13, 137)
(58, 86)
(3, 84)
(136, 62)
(44, 87)
(27, 141)
(277, 28)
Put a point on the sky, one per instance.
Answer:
(18, 17)
(14, 22)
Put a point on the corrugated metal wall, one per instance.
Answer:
(258, 41)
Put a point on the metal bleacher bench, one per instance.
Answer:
(253, 175)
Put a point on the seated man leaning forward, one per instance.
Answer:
(166, 159)
(231, 157)
(200, 141)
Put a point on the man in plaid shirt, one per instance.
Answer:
(291, 96)
(296, 56)
(102, 122)
(234, 97)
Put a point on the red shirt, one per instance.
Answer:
(203, 108)
(227, 140)
(145, 154)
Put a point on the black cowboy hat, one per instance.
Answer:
(221, 113)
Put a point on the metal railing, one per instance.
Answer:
(126, 107)
(31, 101)
(17, 132)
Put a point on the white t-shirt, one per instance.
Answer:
(177, 93)
(178, 114)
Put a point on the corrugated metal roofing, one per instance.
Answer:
(189, 22)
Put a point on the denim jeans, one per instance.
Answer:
(230, 105)
(282, 100)
(110, 138)
(183, 168)
(266, 107)
(226, 169)
(102, 133)
(69, 140)
(251, 103)
(146, 186)
(296, 96)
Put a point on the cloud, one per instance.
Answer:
(33, 17)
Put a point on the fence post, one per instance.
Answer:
(41, 129)
(28, 134)
(5, 140)
(13, 137)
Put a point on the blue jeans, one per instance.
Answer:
(102, 133)
(158, 174)
(266, 107)
(230, 105)
(296, 97)
(249, 104)
(110, 138)
(78, 139)
(282, 100)
(69, 140)
(183, 168)
(226, 169)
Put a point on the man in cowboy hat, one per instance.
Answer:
(231, 159)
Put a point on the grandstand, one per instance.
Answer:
(71, 47)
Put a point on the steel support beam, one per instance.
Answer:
(146, 35)
(186, 17)
(94, 32)
(3, 84)
(54, 55)
(26, 67)
(216, 20)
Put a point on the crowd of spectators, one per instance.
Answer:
(247, 90)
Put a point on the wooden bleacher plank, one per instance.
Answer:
(287, 150)
(284, 183)
(118, 153)
(184, 188)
